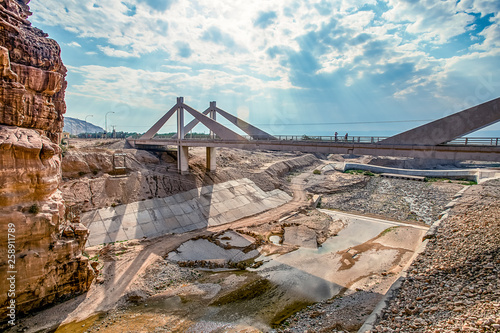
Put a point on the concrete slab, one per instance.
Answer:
(232, 204)
(201, 225)
(96, 228)
(161, 227)
(187, 195)
(133, 232)
(131, 207)
(242, 200)
(195, 193)
(169, 201)
(207, 189)
(117, 236)
(158, 202)
(234, 183)
(87, 218)
(143, 217)
(178, 198)
(107, 213)
(97, 239)
(204, 212)
(176, 209)
(145, 205)
(205, 200)
(194, 217)
(149, 229)
(220, 207)
(183, 220)
(165, 212)
(186, 207)
(129, 219)
(178, 231)
(190, 227)
(155, 214)
(213, 211)
(121, 210)
(226, 195)
(112, 225)
(172, 223)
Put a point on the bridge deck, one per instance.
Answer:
(456, 151)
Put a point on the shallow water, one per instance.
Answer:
(310, 273)
(283, 285)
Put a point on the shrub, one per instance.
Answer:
(317, 172)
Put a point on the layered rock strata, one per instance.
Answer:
(48, 263)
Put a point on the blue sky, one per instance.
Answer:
(290, 67)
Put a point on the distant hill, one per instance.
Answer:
(76, 126)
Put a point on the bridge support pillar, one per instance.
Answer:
(211, 159)
(183, 159)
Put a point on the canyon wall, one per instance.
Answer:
(48, 262)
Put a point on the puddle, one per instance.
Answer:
(313, 273)
(255, 300)
(275, 240)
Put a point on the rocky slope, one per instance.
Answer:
(76, 126)
(48, 261)
(454, 285)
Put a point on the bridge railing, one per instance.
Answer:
(322, 138)
(477, 141)
(471, 141)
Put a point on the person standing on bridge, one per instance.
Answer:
(346, 135)
(336, 136)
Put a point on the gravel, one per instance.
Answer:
(454, 285)
(394, 198)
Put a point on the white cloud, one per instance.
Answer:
(234, 56)
(74, 44)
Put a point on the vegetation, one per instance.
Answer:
(317, 172)
(360, 172)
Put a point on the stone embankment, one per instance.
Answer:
(454, 285)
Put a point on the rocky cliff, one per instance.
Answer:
(48, 263)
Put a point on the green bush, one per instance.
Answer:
(317, 172)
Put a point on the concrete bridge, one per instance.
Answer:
(440, 139)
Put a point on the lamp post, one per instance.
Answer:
(106, 122)
(90, 115)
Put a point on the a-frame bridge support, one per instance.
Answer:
(217, 131)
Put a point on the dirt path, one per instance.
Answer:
(121, 271)
(298, 201)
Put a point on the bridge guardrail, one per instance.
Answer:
(467, 141)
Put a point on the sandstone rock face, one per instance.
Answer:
(48, 260)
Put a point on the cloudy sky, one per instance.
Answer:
(289, 66)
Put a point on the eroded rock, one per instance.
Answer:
(48, 261)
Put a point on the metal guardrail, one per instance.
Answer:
(471, 141)
(478, 141)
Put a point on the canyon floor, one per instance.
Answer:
(316, 270)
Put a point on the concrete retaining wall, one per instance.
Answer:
(196, 209)
(472, 174)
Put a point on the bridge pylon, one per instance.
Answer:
(209, 119)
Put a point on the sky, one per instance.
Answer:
(366, 67)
